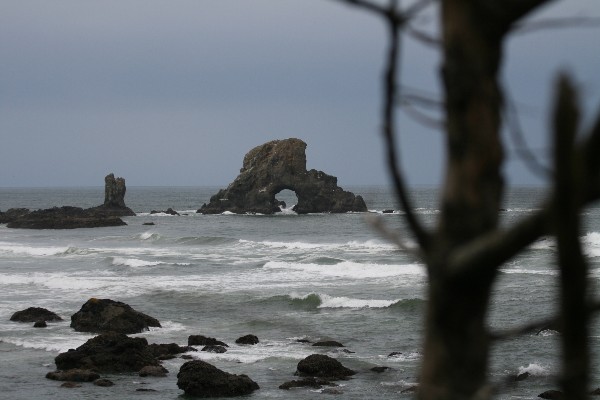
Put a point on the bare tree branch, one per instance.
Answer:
(555, 23)
(389, 133)
(423, 37)
(421, 117)
(522, 149)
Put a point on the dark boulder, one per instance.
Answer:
(306, 382)
(73, 375)
(552, 395)
(105, 315)
(169, 211)
(322, 366)
(275, 166)
(110, 352)
(153, 370)
(165, 351)
(214, 349)
(201, 379)
(200, 340)
(35, 314)
(103, 382)
(247, 339)
(149, 223)
(328, 343)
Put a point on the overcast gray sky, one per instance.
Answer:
(176, 92)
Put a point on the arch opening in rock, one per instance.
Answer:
(275, 166)
(286, 199)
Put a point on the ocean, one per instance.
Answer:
(282, 278)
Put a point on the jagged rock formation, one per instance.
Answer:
(275, 166)
(68, 217)
(105, 315)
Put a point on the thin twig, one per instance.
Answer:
(522, 149)
(389, 132)
(555, 23)
(423, 37)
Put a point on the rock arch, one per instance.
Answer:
(275, 166)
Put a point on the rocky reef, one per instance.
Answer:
(68, 217)
(275, 166)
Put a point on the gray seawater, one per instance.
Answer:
(283, 278)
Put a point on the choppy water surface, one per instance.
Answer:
(283, 278)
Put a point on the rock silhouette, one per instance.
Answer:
(275, 166)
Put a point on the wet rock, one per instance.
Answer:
(388, 211)
(153, 370)
(105, 315)
(73, 375)
(103, 382)
(12, 214)
(109, 352)
(114, 197)
(70, 385)
(187, 357)
(168, 349)
(35, 314)
(145, 390)
(214, 349)
(148, 223)
(379, 369)
(169, 211)
(247, 339)
(394, 354)
(199, 378)
(40, 324)
(273, 167)
(303, 341)
(201, 340)
(552, 395)
(322, 366)
(306, 382)
(328, 343)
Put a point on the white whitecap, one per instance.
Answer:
(350, 269)
(133, 262)
(535, 369)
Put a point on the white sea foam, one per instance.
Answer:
(351, 245)
(133, 262)
(346, 302)
(349, 269)
(535, 369)
(34, 251)
(591, 242)
(529, 271)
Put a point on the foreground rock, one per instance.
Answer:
(272, 167)
(322, 366)
(110, 352)
(105, 315)
(201, 379)
(35, 314)
(68, 217)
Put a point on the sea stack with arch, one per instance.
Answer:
(275, 166)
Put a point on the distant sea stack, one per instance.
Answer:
(275, 166)
(68, 217)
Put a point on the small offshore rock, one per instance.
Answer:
(199, 378)
(149, 223)
(522, 376)
(303, 341)
(201, 340)
(145, 390)
(214, 349)
(70, 385)
(73, 375)
(105, 315)
(388, 211)
(103, 382)
(322, 366)
(306, 382)
(247, 339)
(153, 370)
(186, 357)
(552, 395)
(379, 369)
(394, 354)
(328, 343)
(40, 324)
(35, 314)
(163, 350)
